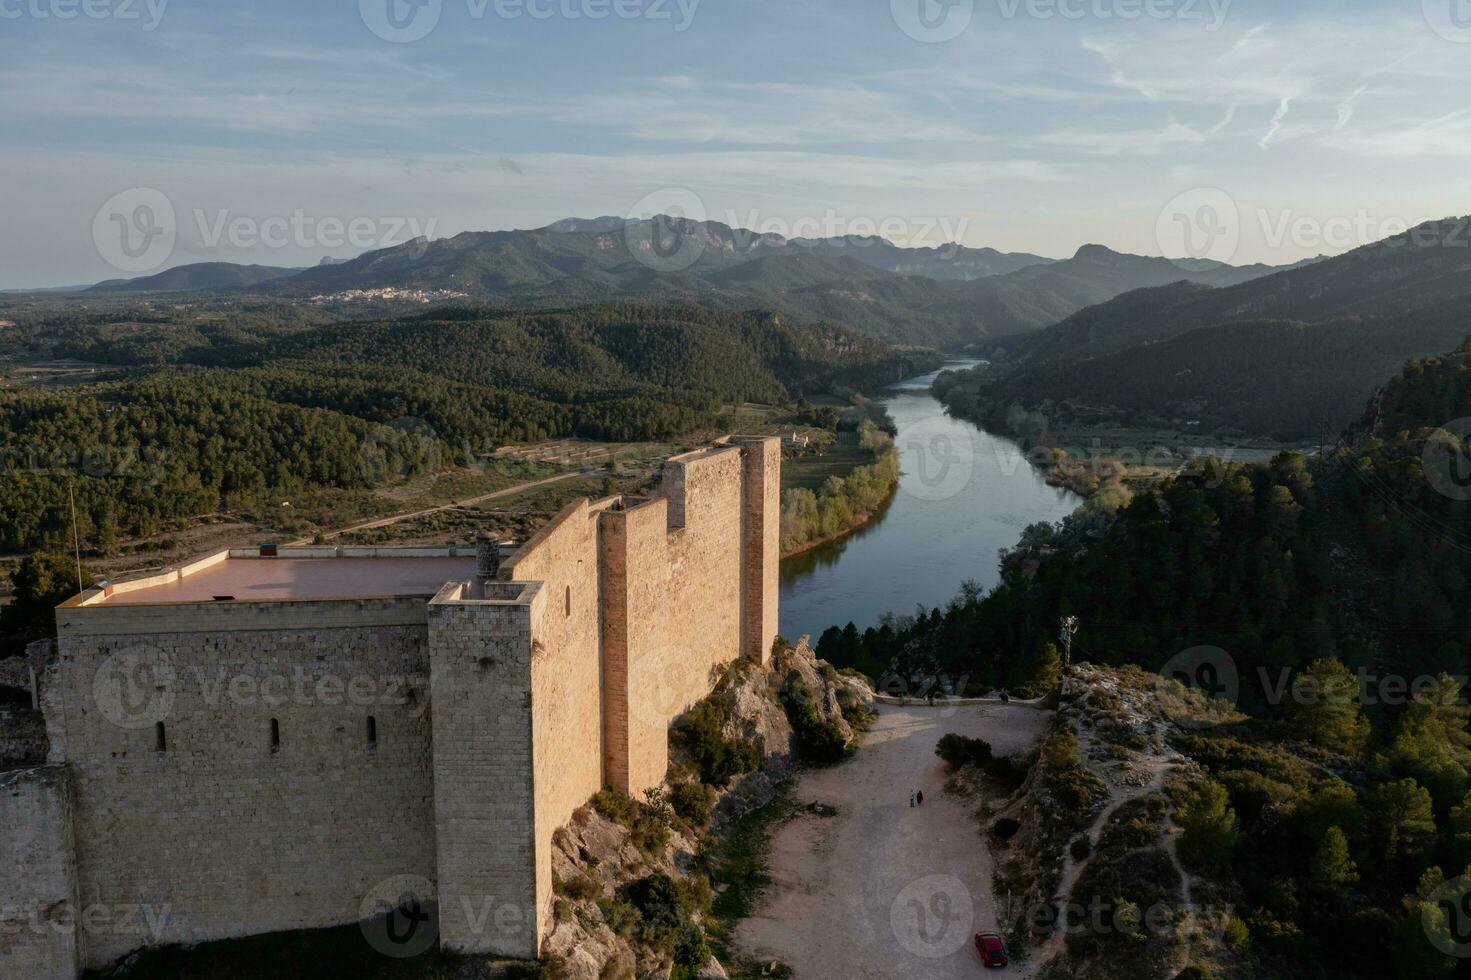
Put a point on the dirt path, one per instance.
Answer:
(471, 502)
(883, 890)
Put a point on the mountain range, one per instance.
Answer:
(1291, 353)
(947, 297)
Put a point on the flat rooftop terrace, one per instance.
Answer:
(294, 575)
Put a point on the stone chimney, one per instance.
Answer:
(487, 563)
(487, 556)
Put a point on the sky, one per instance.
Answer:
(283, 131)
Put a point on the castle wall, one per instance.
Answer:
(230, 835)
(636, 590)
(671, 568)
(41, 933)
(484, 798)
(761, 513)
(695, 580)
(263, 804)
(566, 676)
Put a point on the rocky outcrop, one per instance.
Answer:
(594, 857)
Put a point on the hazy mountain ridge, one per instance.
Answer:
(1289, 354)
(196, 276)
(945, 297)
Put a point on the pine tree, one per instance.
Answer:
(1325, 708)
(1210, 829)
(1331, 864)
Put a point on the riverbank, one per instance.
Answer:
(1092, 456)
(842, 504)
(962, 494)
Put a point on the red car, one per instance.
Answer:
(991, 948)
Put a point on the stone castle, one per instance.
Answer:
(264, 740)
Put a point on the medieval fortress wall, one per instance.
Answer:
(345, 721)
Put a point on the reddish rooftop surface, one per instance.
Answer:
(267, 579)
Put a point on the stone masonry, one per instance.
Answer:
(237, 766)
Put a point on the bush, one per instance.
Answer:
(958, 751)
(692, 802)
(1081, 848)
(855, 712)
(583, 888)
(617, 807)
(1006, 769)
(818, 741)
(1006, 828)
(648, 821)
(719, 759)
(663, 916)
(1209, 829)
(1075, 788)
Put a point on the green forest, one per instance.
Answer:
(202, 419)
(1335, 588)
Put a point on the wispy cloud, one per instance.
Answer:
(1275, 127)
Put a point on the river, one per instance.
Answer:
(963, 495)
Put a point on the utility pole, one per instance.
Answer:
(71, 490)
(1069, 627)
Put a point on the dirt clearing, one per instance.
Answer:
(884, 890)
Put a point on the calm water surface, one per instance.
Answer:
(963, 496)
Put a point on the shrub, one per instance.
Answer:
(1081, 848)
(1005, 828)
(718, 758)
(855, 712)
(692, 802)
(958, 751)
(1237, 934)
(648, 821)
(617, 807)
(663, 916)
(1209, 829)
(584, 887)
(1008, 770)
(818, 741)
(1075, 788)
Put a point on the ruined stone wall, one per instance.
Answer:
(233, 834)
(484, 798)
(41, 936)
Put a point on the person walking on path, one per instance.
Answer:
(919, 797)
(911, 801)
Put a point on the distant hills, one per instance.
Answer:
(200, 275)
(1289, 353)
(946, 297)
(255, 412)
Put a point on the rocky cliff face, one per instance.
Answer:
(612, 848)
